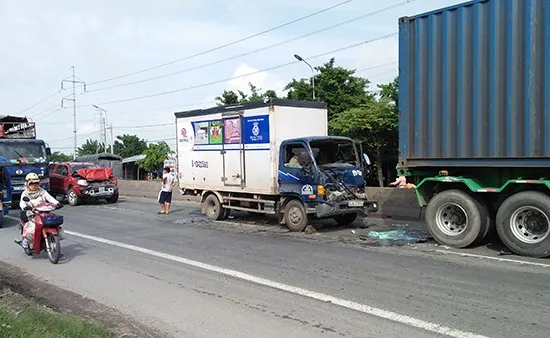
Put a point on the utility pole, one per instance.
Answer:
(112, 140)
(74, 80)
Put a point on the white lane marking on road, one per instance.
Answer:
(395, 317)
(507, 260)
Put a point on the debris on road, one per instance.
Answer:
(310, 229)
(396, 237)
(186, 220)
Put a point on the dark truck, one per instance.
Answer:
(21, 153)
(474, 121)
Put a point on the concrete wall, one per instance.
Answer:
(393, 203)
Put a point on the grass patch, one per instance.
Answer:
(25, 318)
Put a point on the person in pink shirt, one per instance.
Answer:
(400, 182)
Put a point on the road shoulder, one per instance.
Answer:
(64, 301)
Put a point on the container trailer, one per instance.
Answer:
(474, 121)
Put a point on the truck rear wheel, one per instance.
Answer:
(456, 219)
(212, 207)
(523, 223)
(296, 218)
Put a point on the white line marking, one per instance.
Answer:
(395, 317)
(493, 258)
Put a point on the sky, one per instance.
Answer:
(122, 50)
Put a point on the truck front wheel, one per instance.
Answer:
(523, 223)
(456, 219)
(296, 218)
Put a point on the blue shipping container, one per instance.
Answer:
(474, 85)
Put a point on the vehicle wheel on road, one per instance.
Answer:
(213, 208)
(55, 248)
(225, 213)
(112, 199)
(73, 197)
(296, 218)
(523, 223)
(456, 219)
(346, 219)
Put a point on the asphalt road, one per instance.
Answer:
(192, 278)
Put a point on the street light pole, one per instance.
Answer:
(301, 59)
(104, 123)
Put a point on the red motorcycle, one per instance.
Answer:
(47, 231)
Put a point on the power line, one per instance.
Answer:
(41, 101)
(258, 49)
(244, 75)
(225, 45)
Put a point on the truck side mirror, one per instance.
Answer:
(48, 152)
(367, 159)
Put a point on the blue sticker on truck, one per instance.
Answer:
(256, 129)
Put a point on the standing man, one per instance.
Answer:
(165, 196)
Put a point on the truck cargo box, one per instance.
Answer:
(474, 85)
(236, 148)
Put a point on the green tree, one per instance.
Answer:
(335, 85)
(230, 97)
(58, 156)
(129, 145)
(391, 91)
(375, 124)
(91, 147)
(155, 155)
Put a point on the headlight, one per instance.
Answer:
(82, 183)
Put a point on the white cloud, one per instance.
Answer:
(264, 80)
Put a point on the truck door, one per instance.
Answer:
(293, 178)
(233, 153)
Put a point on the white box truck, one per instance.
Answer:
(271, 157)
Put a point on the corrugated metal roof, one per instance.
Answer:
(133, 158)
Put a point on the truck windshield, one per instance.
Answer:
(24, 152)
(334, 153)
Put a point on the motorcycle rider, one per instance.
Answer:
(37, 195)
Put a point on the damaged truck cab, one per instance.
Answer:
(272, 158)
(326, 174)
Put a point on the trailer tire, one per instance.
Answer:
(296, 218)
(212, 207)
(456, 219)
(523, 223)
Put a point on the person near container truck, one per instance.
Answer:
(165, 194)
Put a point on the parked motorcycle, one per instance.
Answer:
(47, 230)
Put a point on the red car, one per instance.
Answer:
(81, 181)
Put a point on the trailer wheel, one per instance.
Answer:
(523, 223)
(296, 218)
(456, 219)
(212, 207)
